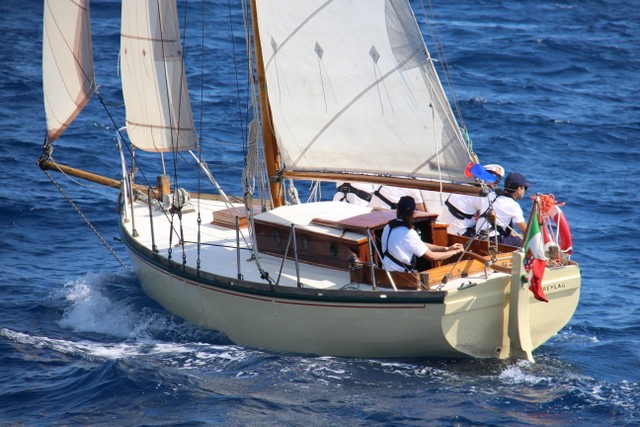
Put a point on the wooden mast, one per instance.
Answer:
(271, 153)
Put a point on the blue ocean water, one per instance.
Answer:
(546, 88)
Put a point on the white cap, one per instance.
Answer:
(497, 169)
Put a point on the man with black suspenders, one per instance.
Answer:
(401, 242)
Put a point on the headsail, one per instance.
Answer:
(154, 86)
(352, 89)
(67, 62)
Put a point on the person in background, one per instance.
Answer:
(461, 212)
(503, 215)
(358, 193)
(387, 197)
(401, 242)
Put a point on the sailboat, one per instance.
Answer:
(342, 91)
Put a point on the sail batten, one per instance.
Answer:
(158, 110)
(351, 87)
(68, 78)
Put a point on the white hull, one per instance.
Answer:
(323, 319)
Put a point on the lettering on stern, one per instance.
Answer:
(554, 287)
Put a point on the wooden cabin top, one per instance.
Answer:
(375, 219)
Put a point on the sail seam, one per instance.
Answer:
(128, 36)
(129, 122)
(302, 24)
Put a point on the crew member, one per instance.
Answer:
(401, 242)
(461, 212)
(502, 216)
(358, 193)
(387, 197)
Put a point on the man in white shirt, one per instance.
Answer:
(400, 241)
(506, 211)
(358, 193)
(387, 197)
(460, 212)
(374, 196)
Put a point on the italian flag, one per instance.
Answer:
(534, 260)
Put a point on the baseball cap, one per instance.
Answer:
(515, 180)
(406, 204)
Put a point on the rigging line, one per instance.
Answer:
(201, 118)
(435, 35)
(119, 132)
(174, 141)
(86, 220)
(167, 93)
(73, 179)
(243, 119)
(494, 227)
(166, 212)
(447, 276)
(205, 168)
(253, 104)
(200, 125)
(143, 195)
(258, 146)
(438, 140)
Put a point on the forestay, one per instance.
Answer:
(67, 63)
(353, 89)
(158, 110)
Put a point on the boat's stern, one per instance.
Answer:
(499, 316)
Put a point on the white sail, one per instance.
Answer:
(158, 111)
(352, 88)
(67, 62)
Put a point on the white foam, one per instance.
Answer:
(200, 354)
(517, 374)
(89, 310)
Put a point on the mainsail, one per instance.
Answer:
(67, 62)
(352, 89)
(158, 110)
